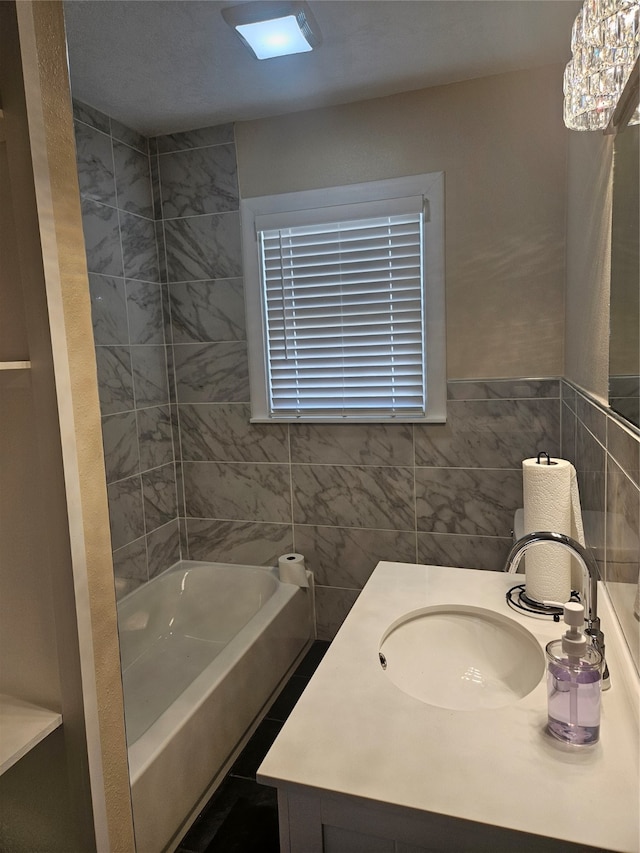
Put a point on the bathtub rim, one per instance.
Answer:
(143, 752)
(191, 564)
(164, 812)
(163, 595)
(221, 775)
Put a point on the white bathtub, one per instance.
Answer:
(204, 647)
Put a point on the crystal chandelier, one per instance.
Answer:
(605, 42)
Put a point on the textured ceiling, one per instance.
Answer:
(167, 65)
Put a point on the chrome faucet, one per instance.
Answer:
(590, 574)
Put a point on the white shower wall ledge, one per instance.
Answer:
(23, 726)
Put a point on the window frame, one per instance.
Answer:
(431, 187)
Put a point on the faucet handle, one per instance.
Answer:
(597, 638)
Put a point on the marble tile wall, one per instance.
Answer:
(346, 496)
(606, 454)
(624, 396)
(349, 496)
(128, 303)
(197, 208)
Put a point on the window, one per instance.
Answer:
(345, 302)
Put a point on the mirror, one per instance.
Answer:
(624, 341)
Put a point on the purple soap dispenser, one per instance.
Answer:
(574, 683)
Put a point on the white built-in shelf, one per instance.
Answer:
(22, 726)
(15, 365)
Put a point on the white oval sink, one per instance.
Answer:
(461, 658)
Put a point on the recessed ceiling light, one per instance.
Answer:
(272, 29)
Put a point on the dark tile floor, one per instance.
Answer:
(242, 816)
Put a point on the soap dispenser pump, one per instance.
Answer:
(574, 682)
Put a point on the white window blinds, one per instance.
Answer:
(343, 305)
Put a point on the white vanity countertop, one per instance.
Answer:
(355, 733)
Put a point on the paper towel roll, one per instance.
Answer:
(551, 502)
(292, 569)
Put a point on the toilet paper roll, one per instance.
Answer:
(292, 569)
(551, 502)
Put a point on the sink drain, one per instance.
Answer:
(383, 660)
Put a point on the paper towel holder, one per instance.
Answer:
(550, 461)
